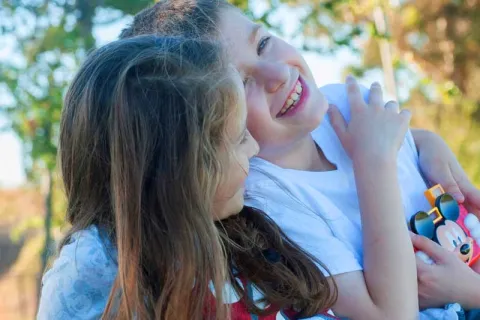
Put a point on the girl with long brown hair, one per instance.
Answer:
(154, 153)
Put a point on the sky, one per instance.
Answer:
(326, 70)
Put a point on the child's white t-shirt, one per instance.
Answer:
(320, 210)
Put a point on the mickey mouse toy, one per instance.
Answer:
(449, 224)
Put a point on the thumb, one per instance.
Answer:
(451, 186)
(430, 248)
(338, 122)
(472, 194)
(406, 115)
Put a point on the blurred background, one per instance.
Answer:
(425, 53)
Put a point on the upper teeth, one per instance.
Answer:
(293, 98)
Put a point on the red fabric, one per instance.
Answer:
(239, 311)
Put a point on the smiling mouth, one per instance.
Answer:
(293, 99)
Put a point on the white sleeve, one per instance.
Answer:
(79, 282)
(306, 229)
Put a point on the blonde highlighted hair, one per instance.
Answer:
(141, 129)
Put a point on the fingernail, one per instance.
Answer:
(458, 196)
(350, 79)
(375, 84)
(456, 193)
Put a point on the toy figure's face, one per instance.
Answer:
(453, 238)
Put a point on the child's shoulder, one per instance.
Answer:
(79, 281)
(269, 179)
(86, 253)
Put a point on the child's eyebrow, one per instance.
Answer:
(253, 33)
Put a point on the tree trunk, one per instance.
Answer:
(86, 9)
(385, 52)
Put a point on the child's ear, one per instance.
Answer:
(448, 207)
(421, 223)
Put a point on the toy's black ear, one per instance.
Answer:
(448, 207)
(422, 223)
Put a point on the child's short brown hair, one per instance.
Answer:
(187, 18)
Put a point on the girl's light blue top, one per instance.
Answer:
(78, 284)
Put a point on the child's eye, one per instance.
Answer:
(245, 137)
(262, 44)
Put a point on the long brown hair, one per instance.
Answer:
(141, 129)
(256, 247)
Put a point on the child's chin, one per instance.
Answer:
(234, 207)
(319, 106)
(318, 99)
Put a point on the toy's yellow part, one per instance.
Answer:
(433, 193)
(435, 215)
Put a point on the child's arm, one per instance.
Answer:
(440, 166)
(387, 288)
(448, 280)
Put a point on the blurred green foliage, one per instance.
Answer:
(49, 40)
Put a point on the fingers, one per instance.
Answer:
(472, 195)
(424, 264)
(355, 97)
(423, 257)
(375, 98)
(448, 181)
(476, 266)
(470, 191)
(406, 115)
(451, 186)
(393, 106)
(430, 248)
(467, 191)
(338, 122)
(473, 205)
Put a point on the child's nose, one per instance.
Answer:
(274, 75)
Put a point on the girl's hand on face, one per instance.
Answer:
(447, 281)
(376, 131)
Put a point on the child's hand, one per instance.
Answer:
(449, 280)
(440, 166)
(375, 131)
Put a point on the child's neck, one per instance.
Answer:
(304, 155)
